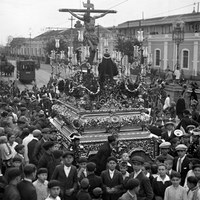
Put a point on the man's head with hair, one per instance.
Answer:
(30, 171)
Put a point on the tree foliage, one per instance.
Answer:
(51, 46)
(126, 46)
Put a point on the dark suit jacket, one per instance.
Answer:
(27, 190)
(155, 130)
(38, 151)
(126, 196)
(184, 168)
(115, 182)
(11, 193)
(95, 181)
(187, 121)
(47, 161)
(101, 157)
(145, 192)
(66, 182)
(31, 147)
(165, 136)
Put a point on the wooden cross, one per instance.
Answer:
(87, 5)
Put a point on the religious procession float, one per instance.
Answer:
(101, 100)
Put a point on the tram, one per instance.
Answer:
(26, 70)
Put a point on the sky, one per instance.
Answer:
(29, 18)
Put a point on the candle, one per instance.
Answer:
(135, 51)
(113, 55)
(57, 45)
(87, 51)
(69, 51)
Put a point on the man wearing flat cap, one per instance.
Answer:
(164, 150)
(168, 133)
(11, 191)
(145, 191)
(66, 173)
(48, 160)
(94, 180)
(181, 163)
(103, 153)
(23, 115)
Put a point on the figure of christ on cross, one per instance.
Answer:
(90, 37)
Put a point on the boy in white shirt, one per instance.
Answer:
(54, 190)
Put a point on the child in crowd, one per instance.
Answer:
(175, 191)
(161, 182)
(20, 152)
(16, 162)
(125, 158)
(146, 168)
(196, 170)
(66, 174)
(192, 188)
(82, 172)
(41, 184)
(125, 175)
(94, 180)
(193, 162)
(83, 193)
(54, 190)
(132, 186)
(169, 165)
(97, 193)
(112, 180)
(123, 169)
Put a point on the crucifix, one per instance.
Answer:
(90, 37)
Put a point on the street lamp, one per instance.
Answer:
(178, 36)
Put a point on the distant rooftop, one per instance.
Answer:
(190, 17)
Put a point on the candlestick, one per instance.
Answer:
(87, 51)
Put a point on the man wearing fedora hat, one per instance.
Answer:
(168, 133)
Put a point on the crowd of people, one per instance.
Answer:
(35, 166)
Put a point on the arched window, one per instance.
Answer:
(157, 57)
(185, 59)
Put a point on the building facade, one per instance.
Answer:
(35, 47)
(158, 39)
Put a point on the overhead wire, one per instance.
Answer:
(162, 13)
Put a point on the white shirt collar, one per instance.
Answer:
(136, 173)
(163, 180)
(182, 158)
(132, 195)
(67, 170)
(111, 172)
(27, 179)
